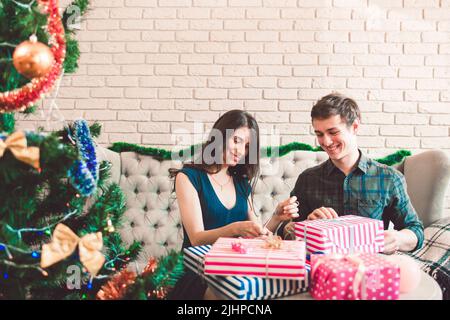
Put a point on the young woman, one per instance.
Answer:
(215, 193)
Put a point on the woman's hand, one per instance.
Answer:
(248, 229)
(287, 209)
(323, 213)
(392, 241)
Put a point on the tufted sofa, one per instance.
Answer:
(152, 215)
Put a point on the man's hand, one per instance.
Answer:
(287, 209)
(392, 241)
(323, 213)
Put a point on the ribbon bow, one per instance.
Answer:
(17, 144)
(359, 278)
(63, 244)
(273, 242)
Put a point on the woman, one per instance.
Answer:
(215, 193)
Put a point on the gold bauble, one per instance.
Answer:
(33, 59)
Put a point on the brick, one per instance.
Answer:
(395, 130)
(125, 137)
(399, 83)
(418, 25)
(377, 118)
(349, 3)
(246, 3)
(134, 116)
(240, 25)
(142, 47)
(400, 107)
(350, 71)
(368, 130)
(137, 69)
(367, 36)
(202, 116)
(262, 13)
(335, 59)
(295, 106)
(96, 58)
(174, 93)
(441, 60)
(433, 84)
(92, 36)
(224, 82)
(300, 13)
(137, 25)
(157, 36)
(436, 13)
(258, 36)
(285, 139)
(191, 35)
(312, 94)
(158, 138)
(362, 83)
(172, 70)
(315, 71)
(102, 24)
(403, 36)
(140, 93)
(261, 105)
(210, 93)
(382, 24)
(421, 95)
(121, 104)
(272, 117)
(157, 58)
(297, 36)
(260, 82)
(210, 47)
(176, 48)
(157, 104)
(443, 120)
(88, 81)
(436, 107)
(206, 25)
(415, 72)
(295, 82)
(196, 58)
(91, 103)
(334, 13)
(174, 3)
(119, 126)
(278, 47)
(412, 119)
(107, 92)
(332, 83)
(385, 95)
(300, 59)
(406, 60)
(311, 25)
(246, 47)
(108, 47)
(435, 143)
(351, 48)
(403, 142)
(126, 13)
(444, 48)
(273, 25)
(228, 13)
(280, 94)
(430, 131)
(274, 71)
(189, 82)
(247, 93)
(141, 3)
(331, 36)
(386, 48)
(122, 81)
(232, 59)
(225, 105)
(376, 72)
(128, 58)
(421, 48)
(205, 70)
(405, 14)
(350, 25)
(227, 36)
(168, 25)
(191, 105)
(168, 116)
(99, 115)
(193, 13)
(433, 36)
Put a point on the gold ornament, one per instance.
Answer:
(63, 244)
(33, 59)
(17, 144)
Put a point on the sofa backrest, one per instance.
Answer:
(152, 212)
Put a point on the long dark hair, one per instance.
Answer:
(233, 119)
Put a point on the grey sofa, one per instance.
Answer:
(152, 215)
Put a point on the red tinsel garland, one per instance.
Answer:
(22, 98)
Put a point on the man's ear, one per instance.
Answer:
(355, 125)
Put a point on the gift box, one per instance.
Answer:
(240, 287)
(360, 276)
(346, 234)
(282, 260)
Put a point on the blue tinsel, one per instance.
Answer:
(84, 172)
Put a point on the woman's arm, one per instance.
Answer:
(191, 217)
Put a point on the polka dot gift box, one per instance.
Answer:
(360, 276)
(346, 234)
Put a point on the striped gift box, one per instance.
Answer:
(346, 234)
(241, 287)
(286, 262)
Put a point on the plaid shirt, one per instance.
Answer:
(371, 190)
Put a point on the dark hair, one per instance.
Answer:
(336, 104)
(233, 119)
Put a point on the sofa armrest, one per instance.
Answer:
(113, 157)
(427, 177)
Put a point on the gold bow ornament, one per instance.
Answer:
(17, 144)
(63, 244)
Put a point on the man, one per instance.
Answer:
(350, 183)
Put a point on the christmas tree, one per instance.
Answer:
(58, 215)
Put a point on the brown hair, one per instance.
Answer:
(336, 104)
(233, 119)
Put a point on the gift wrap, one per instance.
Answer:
(284, 262)
(346, 234)
(354, 277)
(244, 287)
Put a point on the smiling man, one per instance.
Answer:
(350, 183)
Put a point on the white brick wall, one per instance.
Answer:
(150, 67)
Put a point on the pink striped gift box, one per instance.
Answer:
(287, 262)
(346, 234)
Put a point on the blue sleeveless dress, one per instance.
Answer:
(214, 213)
(191, 286)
